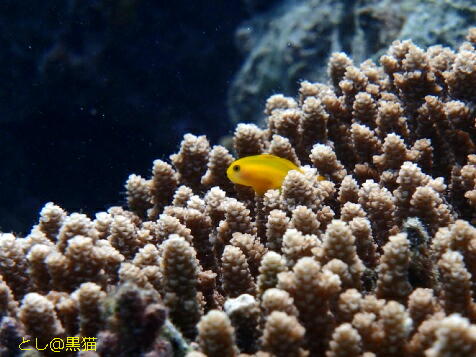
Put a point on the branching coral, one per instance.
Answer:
(379, 259)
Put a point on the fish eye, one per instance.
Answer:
(236, 168)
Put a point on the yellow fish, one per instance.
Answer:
(262, 172)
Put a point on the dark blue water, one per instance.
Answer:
(92, 91)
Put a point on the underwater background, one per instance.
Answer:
(287, 178)
(91, 90)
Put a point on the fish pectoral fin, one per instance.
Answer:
(261, 190)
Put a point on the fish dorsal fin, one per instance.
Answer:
(268, 156)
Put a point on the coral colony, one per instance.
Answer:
(378, 259)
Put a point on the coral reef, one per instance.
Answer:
(378, 259)
(292, 39)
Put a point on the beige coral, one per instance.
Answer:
(378, 259)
